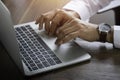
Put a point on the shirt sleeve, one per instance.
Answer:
(116, 38)
(86, 8)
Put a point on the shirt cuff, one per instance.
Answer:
(116, 36)
(80, 8)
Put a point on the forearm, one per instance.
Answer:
(86, 8)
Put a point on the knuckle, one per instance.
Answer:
(46, 17)
(63, 31)
(57, 10)
(60, 12)
(42, 15)
(54, 22)
(71, 34)
(60, 29)
(74, 22)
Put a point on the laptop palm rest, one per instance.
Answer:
(68, 52)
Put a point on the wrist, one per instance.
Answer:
(105, 32)
(110, 35)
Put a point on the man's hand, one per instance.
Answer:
(77, 28)
(54, 19)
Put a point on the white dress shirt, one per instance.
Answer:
(87, 8)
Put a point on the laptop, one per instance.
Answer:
(32, 50)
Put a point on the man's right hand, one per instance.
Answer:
(54, 19)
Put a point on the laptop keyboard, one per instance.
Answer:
(35, 53)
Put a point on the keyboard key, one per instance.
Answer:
(23, 52)
(27, 58)
(34, 68)
(18, 29)
(23, 28)
(58, 61)
(21, 49)
(46, 64)
(42, 59)
(40, 56)
(30, 52)
(32, 65)
(34, 58)
(28, 49)
(46, 56)
(30, 61)
(40, 65)
(25, 55)
(37, 53)
(32, 55)
(35, 50)
(44, 53)
(25, 46)
(51, 61)
(37, 61)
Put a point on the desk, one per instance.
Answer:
(104, 64)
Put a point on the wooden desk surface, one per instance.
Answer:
(104, 64)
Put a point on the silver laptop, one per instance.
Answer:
(32, 50)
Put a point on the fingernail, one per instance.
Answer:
(46, 33)
(58, 43)
(49, 34)
(40, 28)
(36, 22)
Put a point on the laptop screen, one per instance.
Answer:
(7, 35)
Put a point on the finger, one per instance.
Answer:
(55, 23)
(40, 21)
(68, 30)
(50, 14)
(62, 31)
(67, 38)
(37, 20)
(40, 27)
(47, 20)
(44, 17)
(66, 25)
(53, 28)
(47, 26)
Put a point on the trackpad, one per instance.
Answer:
(66, 52)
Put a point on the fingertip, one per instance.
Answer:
(36, 22)
(40, 27)
(57, 33)
(58, 42)
(58, 45)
